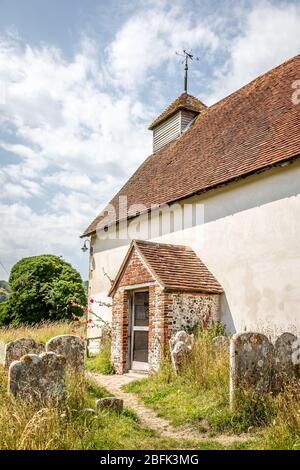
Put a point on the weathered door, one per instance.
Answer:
(140, 330)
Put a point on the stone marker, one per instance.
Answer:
(110, 403)
(181, 336)
(251, 357)
(71, 347)
(38, 378)
(284, 368)
(221, 344)
(180, 347)
(14, 350)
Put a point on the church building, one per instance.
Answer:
(208, 227)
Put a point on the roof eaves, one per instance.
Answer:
(180, 107)
(283, 162)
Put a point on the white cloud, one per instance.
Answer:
(78, 127)
(269, 36)
(150, 39)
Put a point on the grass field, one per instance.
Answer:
(69, 426)
(199, 396)
(41, 332)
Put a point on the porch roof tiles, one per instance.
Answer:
(174, 267)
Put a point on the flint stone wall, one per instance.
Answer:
(189, 310)
(71, 348)
(38, 377)
(14, 350)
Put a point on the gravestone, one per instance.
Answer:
(2, 352)
(14, 350)
(180, 347)
(71, 347)
(221, 344)
(181, 336)
(38, 377)
(284, 368)
(110, 403)
(251, 358)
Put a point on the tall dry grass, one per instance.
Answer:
(206, 370)
(200, 395)
(24, 426)
(284, 430)
(69, 426)
(41, 332)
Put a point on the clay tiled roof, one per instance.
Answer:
(175, 267)
(249, 131)
(184, 101)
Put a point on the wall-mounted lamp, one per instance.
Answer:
(84, 247)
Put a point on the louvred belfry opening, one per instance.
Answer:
(175, 119)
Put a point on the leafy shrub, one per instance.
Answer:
(4, 291)
(42, 288)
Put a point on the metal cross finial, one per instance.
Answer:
(187, 56)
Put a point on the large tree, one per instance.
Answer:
(4, 290)
(42, 288)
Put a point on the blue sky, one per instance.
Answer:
(81, 80)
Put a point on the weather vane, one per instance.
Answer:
(187, 56)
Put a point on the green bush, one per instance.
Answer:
(4, 291)
(42, 288)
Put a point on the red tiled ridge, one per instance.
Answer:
(252, 129)
(175, 267)
(184, 101)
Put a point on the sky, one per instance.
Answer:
(81, 80)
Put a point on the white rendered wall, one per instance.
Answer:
(249, 239)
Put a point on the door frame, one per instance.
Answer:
(137, 365)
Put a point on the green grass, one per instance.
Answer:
(69, 427)
(200, 394)
(181, 402)
(101, 362)
(284, 431)
(199, 397)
